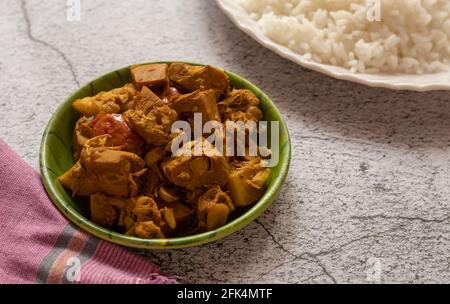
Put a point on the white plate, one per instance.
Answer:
(425, 82)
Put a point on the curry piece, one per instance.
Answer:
(144, 218)
(150, 75)
(112, 102)
(240, 105)
(180, 211)
(154, 178)
(213, 208)
(151, 118)
(121, 134)
(144, 208)
(196, 164)
(105, 210)
(154, 127)
(154, 156)
(145, 101)
(81, 134)
(247, 182)
(102, 168)
(169, 94)
(147, 230)
(168, 194)
(192, 78)
(111, 124)
(204, 102)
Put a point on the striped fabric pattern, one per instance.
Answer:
(38, 245)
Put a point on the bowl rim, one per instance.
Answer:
(169, 243)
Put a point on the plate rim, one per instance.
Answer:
(248, 26)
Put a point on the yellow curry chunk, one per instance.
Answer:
(111, 102)
(247, 182)
(104, 169)
(150, 75)
(105, 210)
(151, 118)
(204, 102)
(153, 127)
(148, 230)
(81, 134)
(191, 172)
(213, 208)
(240, 105)
(145, 100)
(193, 78)
(180, 211)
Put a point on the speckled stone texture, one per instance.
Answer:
(367, 197)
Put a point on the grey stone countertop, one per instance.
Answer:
(367, 197)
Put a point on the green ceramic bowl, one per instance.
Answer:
(56, 158)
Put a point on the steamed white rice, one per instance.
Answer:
(412, 37)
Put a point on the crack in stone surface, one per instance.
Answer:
(313, 257)
(23, 6)
(308, 279)
(399, 217)
(342, 246)
(272, 269)
(325, 270)
(279, 245)
(296, 257)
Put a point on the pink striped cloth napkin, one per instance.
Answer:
(38, 245)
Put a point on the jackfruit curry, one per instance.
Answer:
(124, 163)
